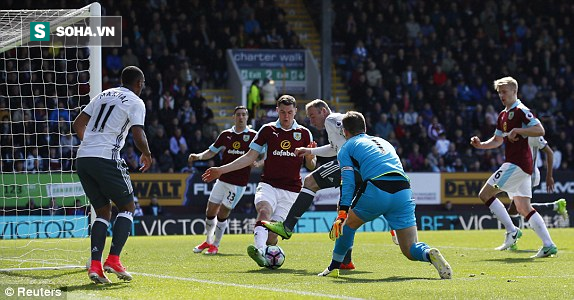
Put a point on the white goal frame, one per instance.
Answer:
(15, 32)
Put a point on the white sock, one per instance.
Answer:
(498, 209)
(219, 231)
(537, 224)
(209, 229)
(260, 236)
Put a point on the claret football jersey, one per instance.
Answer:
(282, 166)
(234, 144)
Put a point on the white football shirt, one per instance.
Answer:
(334, 127)
(536, 143)
(112, 113)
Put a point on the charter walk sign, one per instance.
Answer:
(286, 67)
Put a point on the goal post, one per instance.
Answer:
(44, 221)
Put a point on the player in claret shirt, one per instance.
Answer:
(515, 124)
(228, 189)
(281, 180)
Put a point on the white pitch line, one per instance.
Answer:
(247, 286)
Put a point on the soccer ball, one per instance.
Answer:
(274, 256)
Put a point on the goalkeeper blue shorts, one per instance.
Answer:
(397, 208)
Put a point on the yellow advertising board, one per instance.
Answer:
(169, 188)
(463, 188)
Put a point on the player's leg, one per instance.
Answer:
(537, 223)
(343, 244)
(213, 206)
(400, 213)
(502, 180)
(118, 188)
(265, 202)
(99, 229)
(327, 175)
(367, 206)
(559, 206)
(228, 204)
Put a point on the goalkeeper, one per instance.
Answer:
(385, 191)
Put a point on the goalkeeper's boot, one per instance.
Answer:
(349, 266)
(212, 250)
(549, 251)
(201, 247)
(278, 228)
(441, 265)
(561, 208)
(394, 237)
(113, 265)
(256, 255)
(510, 239)
(96, 273)
(329, 273)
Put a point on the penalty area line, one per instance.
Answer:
(247, 286)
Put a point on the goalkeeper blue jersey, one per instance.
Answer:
(372, 157)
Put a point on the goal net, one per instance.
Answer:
(44, 214)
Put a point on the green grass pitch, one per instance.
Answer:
(166, 268)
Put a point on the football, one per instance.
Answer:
(274, 256)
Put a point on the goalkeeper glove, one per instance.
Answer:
(337, 228)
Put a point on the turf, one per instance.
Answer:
(166, 268)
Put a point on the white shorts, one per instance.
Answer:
(535, 178)
(511, 179)
(280, 200)
(226, 194)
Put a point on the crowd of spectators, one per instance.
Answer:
(421, 72)
(179, 45)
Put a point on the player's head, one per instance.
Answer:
(133, 79)
(317, 111)
(354, 123)
(507, 88)
(287, 109)
(240, 115)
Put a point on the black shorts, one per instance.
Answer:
(328, 175)
(105, 180)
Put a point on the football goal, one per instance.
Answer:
(44, 214)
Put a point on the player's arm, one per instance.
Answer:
(323, 151)
(205, 155)
(347, 190)
(80, 124)
(549, 162)
(140, 141)
(244, 161)
(534, 130)
(494, 142)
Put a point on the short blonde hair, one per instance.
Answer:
(506, 81)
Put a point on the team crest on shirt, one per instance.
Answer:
(510, 115)
(246, 137)
(297, 136)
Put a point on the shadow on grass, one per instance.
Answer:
(42, 275)
(513, 260)
(277, 271)
(90, 286)
(350, 279)
(222, 255)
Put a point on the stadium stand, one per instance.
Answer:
(424, 69)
